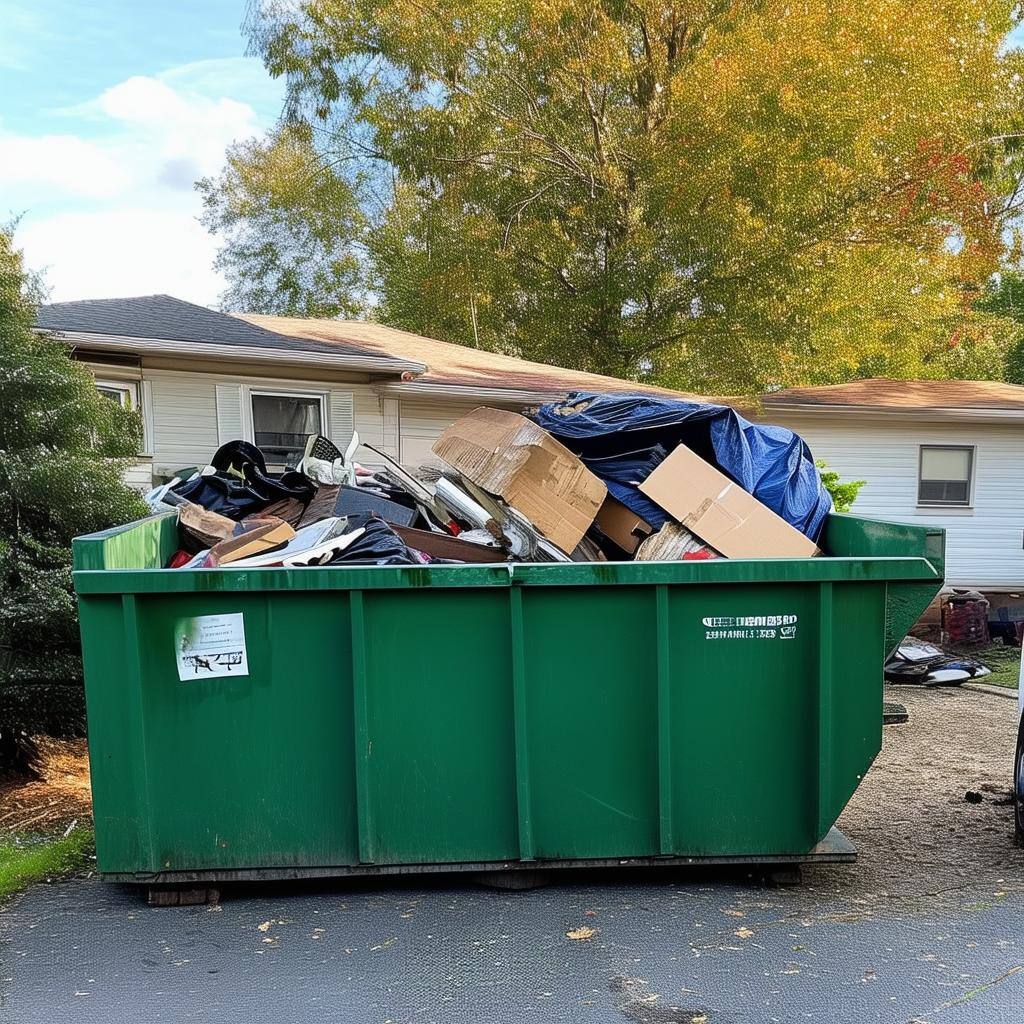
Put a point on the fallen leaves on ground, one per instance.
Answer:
(581, 934)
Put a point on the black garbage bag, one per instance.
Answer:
(378, 544)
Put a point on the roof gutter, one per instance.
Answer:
(241, 353)
(967, 413)
(425, 389)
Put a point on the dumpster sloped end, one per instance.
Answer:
(146, 544)
(906, 600)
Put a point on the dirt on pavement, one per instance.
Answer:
(918, 840)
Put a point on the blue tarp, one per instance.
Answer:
(621, 438)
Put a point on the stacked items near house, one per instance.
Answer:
(592, 478)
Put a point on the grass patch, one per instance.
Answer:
(1004, 662)
(27, 859)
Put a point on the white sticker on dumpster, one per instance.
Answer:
(208, 646)
(749, 627)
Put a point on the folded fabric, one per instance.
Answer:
(237, 497)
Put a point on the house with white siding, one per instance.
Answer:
(200, 378)
(945, 453)
(949, 453)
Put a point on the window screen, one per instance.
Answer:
(945, 475)
(281, 424)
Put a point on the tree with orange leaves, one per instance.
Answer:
(719, 196)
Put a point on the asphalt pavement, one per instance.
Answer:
(599, 949)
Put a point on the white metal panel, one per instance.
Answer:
(184, 420)
(422, 423)
(984, 543)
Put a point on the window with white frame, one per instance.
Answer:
(123, 392)
(945, 475)
(281, 422)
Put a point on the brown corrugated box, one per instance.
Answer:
(622, 525)
(511, 457)
(721, 512)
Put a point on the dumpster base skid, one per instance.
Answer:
(835, 848)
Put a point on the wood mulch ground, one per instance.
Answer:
(52, 803)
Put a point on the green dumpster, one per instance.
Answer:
(272, 723)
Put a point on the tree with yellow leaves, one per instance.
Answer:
(716, 195)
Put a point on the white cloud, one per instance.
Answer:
(177, 125)
(65, 163)
(110, 210)
(130, 251)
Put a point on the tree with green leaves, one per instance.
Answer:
(1004, 297)
(63, 450)
(720, 197)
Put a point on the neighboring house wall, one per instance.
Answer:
(422, 422)
(984, 542)
(189, 413)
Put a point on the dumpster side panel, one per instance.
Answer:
(590, 717)
(850, 694)
(851, 535)
(743, 730)
(256, 770)
(438, 749)
(122, 815)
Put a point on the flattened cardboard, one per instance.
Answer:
(208, 528)
(510, 456)
(721, 512)
(622, 525)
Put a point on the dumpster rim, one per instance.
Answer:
(862, 569)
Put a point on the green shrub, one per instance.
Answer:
(844, 492)
(63, 451)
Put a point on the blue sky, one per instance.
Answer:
(109, 110)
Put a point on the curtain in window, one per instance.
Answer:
(281, 424)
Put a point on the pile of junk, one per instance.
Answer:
(919, 663)
(592, 478)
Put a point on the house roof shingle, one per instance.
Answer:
(449, 364)
(905, 395)
(166, 318)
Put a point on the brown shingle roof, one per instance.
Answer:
(449, 364)
(880, 393)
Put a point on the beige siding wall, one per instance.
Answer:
(187, 429)
(190, 412)
(139, 476)
(422, 422)
(984, 543)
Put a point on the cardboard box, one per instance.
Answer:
(721, 512)
(621, 525)
(510, 456)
